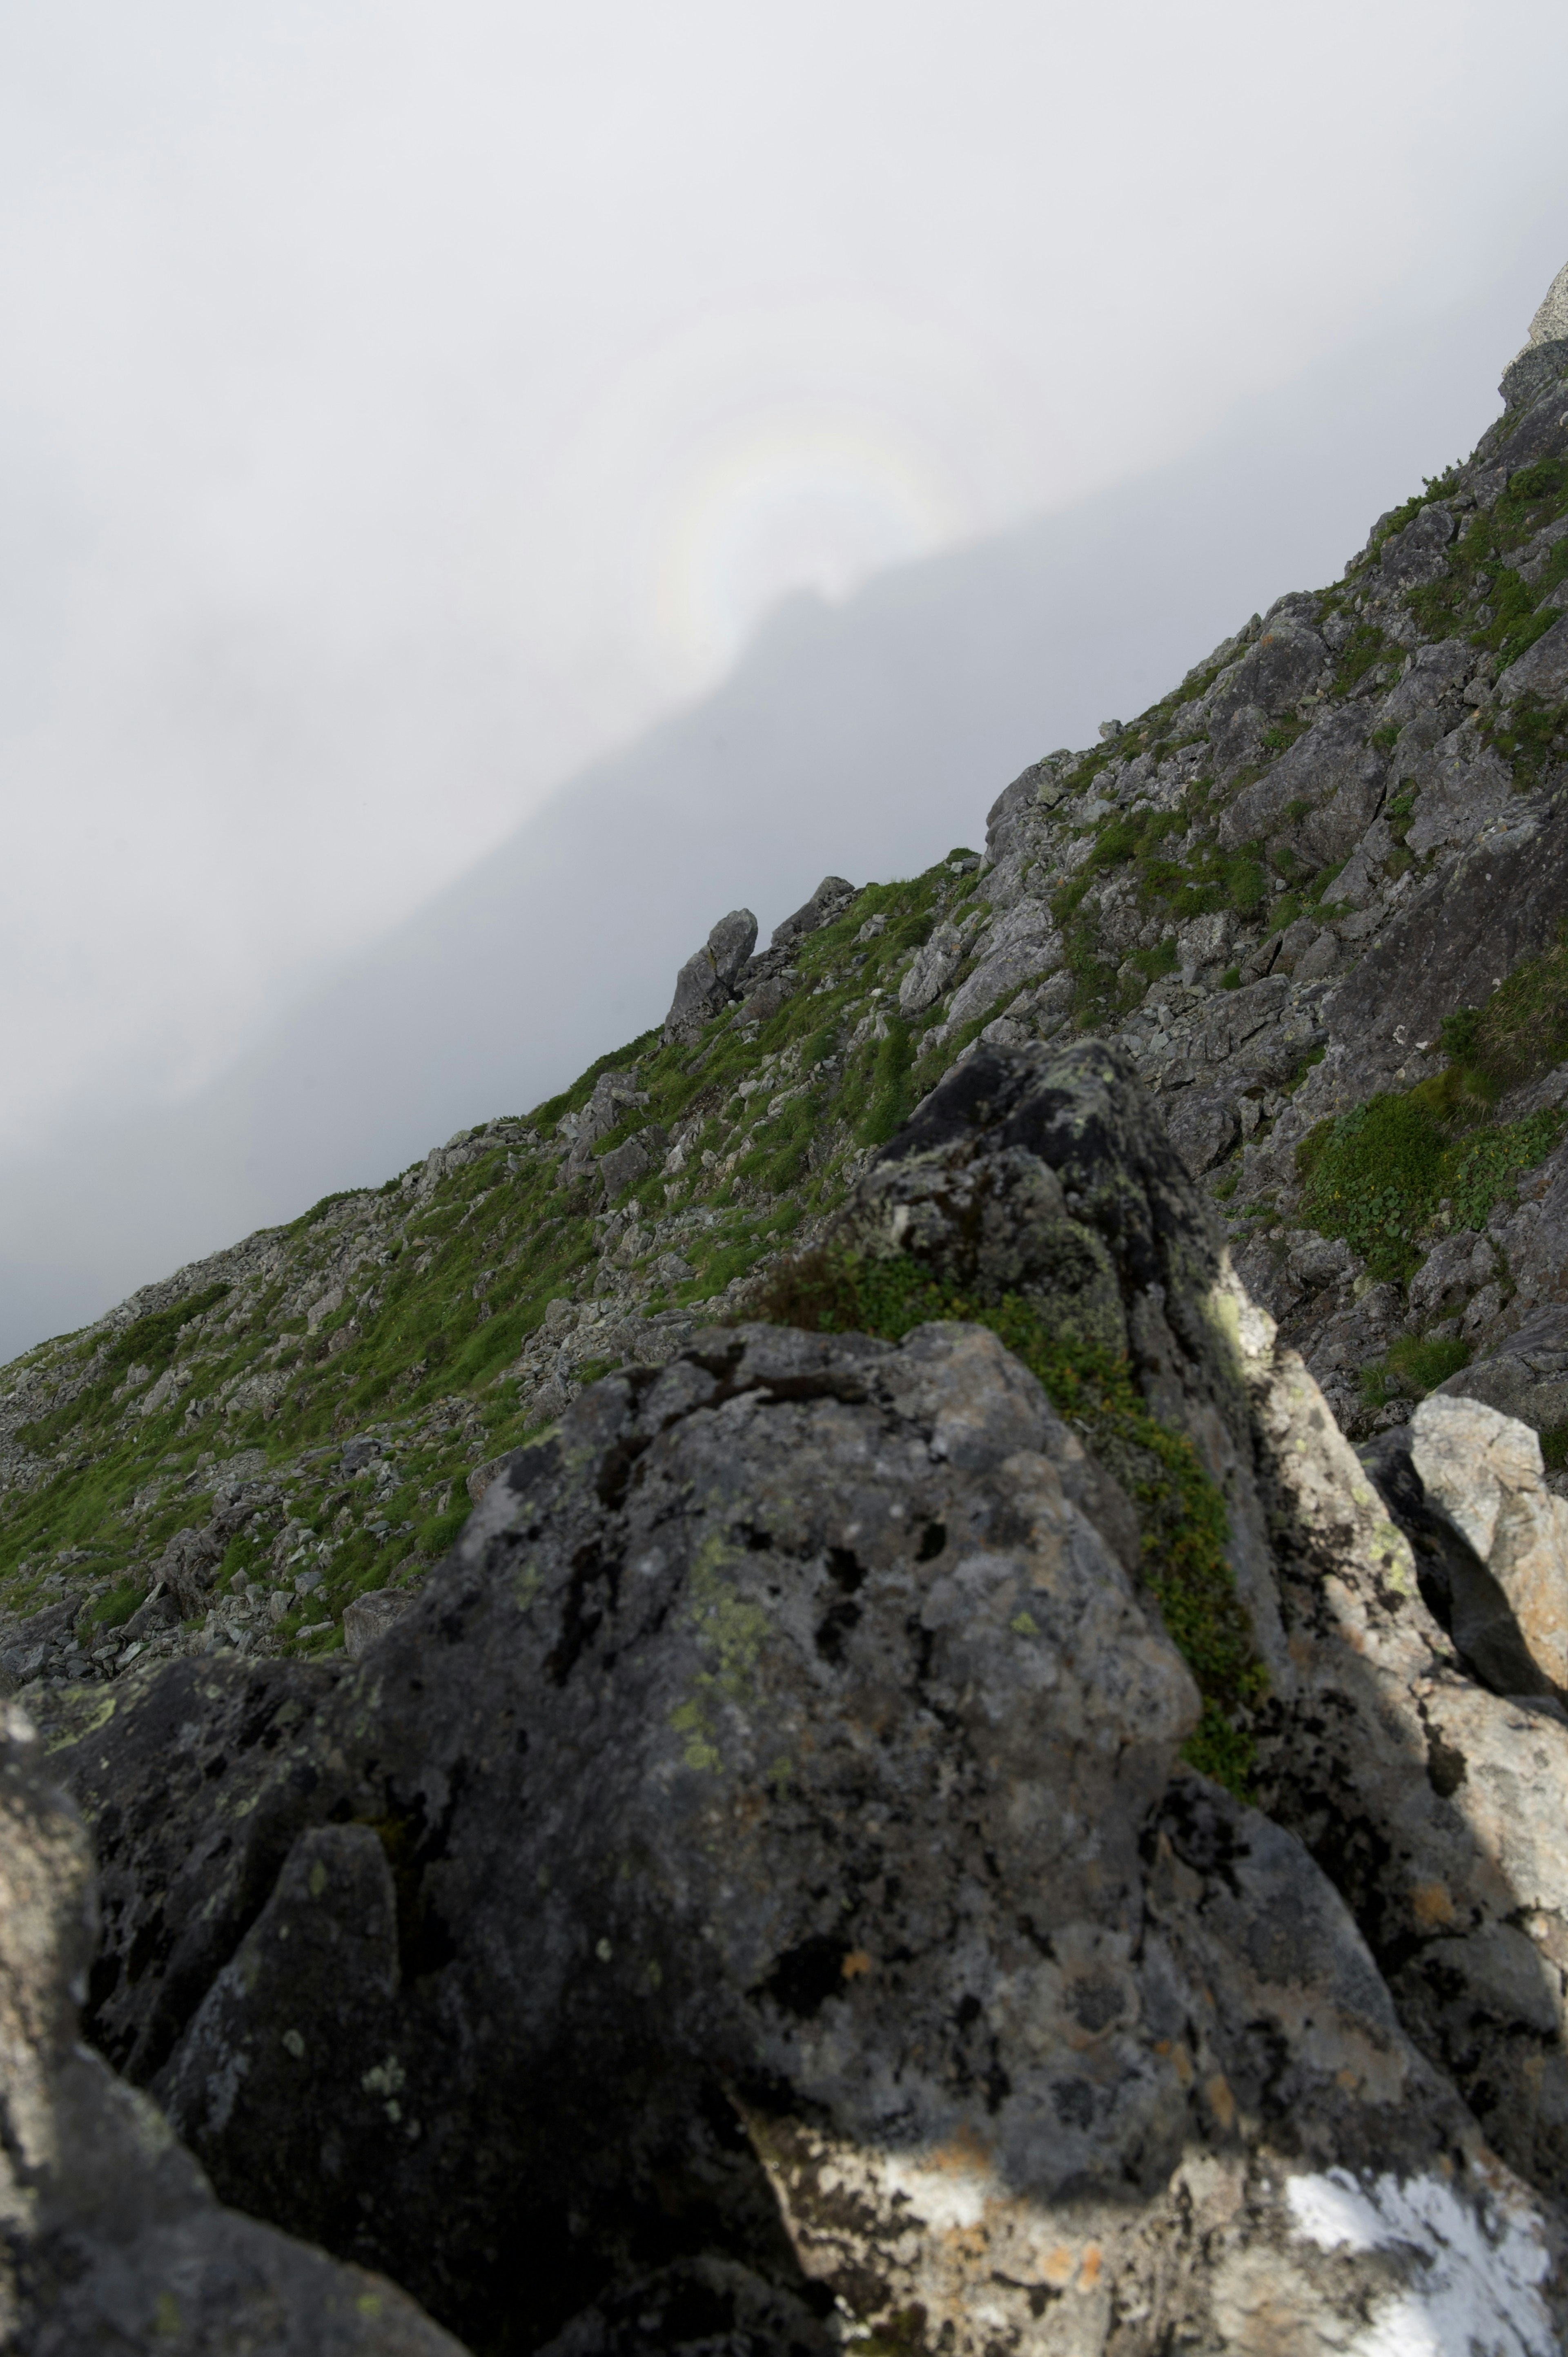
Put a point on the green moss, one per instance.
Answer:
(1181, 1512)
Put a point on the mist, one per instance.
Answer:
(482, 491)
(865, 739)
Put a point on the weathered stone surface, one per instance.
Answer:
(1449, 1275)
(1549, 323)
(833, 893)
(373, 1613)
(1456, 1586)
(933, 966)
(778, 1792)
(113, 2241)
(1542, 670)
(1334, 769)
(1485, 1471)
(1284, 661)
(1022, 946)
(1203, 941)
(1430, 1801)
(624, 1165)
(1526, 1375)
(1203, 1124)
(1432, 672)
(614, 1096)
(1419, 553)
(707, 981)
(1451, 942)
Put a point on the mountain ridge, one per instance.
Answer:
(536, 1573)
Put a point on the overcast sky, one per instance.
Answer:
(404, 406)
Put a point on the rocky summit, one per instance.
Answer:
(894, 1679)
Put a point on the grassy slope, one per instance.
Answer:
(444, 1275)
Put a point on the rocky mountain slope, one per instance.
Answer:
(935, 1801)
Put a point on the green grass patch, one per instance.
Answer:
(1181, 1513)
(1554, 1448)
(1377, 1174)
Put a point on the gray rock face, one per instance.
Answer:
(1549, 323)
(933, 966)
(1419, 553)
(1334, 769)
(1271, 677)
(1432, 673)
(1497, 903)
(761, 1859)
(1485, 1471)
(614, 1096)
(831, 894)
(1203, 1124)
(1022, 946)
(707, 981)
(1536, 369)
(113, 2240)
(624, 1165)
(370, 1616)
(1542, 670)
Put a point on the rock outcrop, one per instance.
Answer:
(706, 983)
(112, 2239)
(764, 1845)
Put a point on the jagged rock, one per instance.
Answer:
(832, 895)
(614, 1096)
(1455, 1585)
(1430, 674)
(1463, 788)
(1419, 553)
(1550, 321)
(1271, 677)
(1334, 771)
(1450, 1274)
(1524, 1376)
(1203, 941)
(1485, 1471)
(1451, 942)
(1542, 670)
(373, 1612)
(26, 1645)
(1022, 946)
(802, 1621)
(1203, 1124)
(707, 981)
(931, 970)
(624, 1164)
(113, 2241)
(187, 1565)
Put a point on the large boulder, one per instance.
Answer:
(1485, 1470)
(113, 2242)
(708, 980)
(761, 1859)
